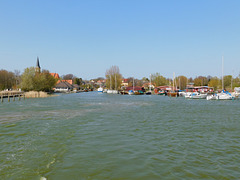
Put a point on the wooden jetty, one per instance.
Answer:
(11, 94)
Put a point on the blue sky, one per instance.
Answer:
(87, 37)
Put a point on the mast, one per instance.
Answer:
(115, 82)
(150, 82)
(110, 82)
(222, 75)
(133, 84)
(173, 80)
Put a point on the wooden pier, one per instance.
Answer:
(11, 94)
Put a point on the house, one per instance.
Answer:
(63, 86)
(125, 82)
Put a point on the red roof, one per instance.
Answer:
(55, 75)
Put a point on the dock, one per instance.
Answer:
(11, 94)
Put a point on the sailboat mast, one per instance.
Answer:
(173, 80)
(133, 84)
(222, 75)
(110, 82)
(115, 82)
(150, 82)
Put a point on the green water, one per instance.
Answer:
(102, 136)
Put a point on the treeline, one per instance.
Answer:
(30, 80)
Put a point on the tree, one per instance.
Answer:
(227, 81)
(68, 77)
(200, 81)
(214, 82)
(114, 78)
(77, 81)
(181, 82)
(7, 79)
(158, 79)
(27, 77)
(37, 81)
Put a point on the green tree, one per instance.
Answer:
(77, 81)
(214, 82)
(158, 79)
(227, 81)
(181, 82)
(37, 81)
(200, 81)
(27, 83)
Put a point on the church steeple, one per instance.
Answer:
(37, 68)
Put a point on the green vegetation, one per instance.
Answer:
(32, 81)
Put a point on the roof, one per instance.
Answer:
(70, 81)
(64, 85)
(55, 75)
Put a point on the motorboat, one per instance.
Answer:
(197, 95)
(100, 89)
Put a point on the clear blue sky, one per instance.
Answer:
(86, 37)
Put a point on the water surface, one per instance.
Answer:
(102, 136)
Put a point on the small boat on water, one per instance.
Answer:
(138, 93)
(224, 95)
(197, 95)
(130, 92)
(162, 93)
(124, 92)
(148, 93)
(100, 89)
(172, 94)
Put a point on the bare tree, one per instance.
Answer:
(114, 78)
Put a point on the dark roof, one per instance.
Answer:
(64, 85)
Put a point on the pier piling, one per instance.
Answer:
(8, 98)
(2, 99)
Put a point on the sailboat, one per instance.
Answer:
(115, 91)
(150, 86)
(110, 91)
(224, 95)
(173, 93)
(131, 92)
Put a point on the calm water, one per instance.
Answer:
(102, 136)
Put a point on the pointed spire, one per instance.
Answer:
(37, 68)
(38, 65)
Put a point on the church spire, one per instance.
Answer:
(38, 68)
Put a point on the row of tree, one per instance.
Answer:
(114, 80)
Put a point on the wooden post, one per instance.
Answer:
(8, 98)
(19, 97)
(13, 97)
(2, 99)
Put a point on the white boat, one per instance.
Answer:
(114, 91)
(150, 87)
(109, 91)
(196, 95)
(220, 96)
(100, 89)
